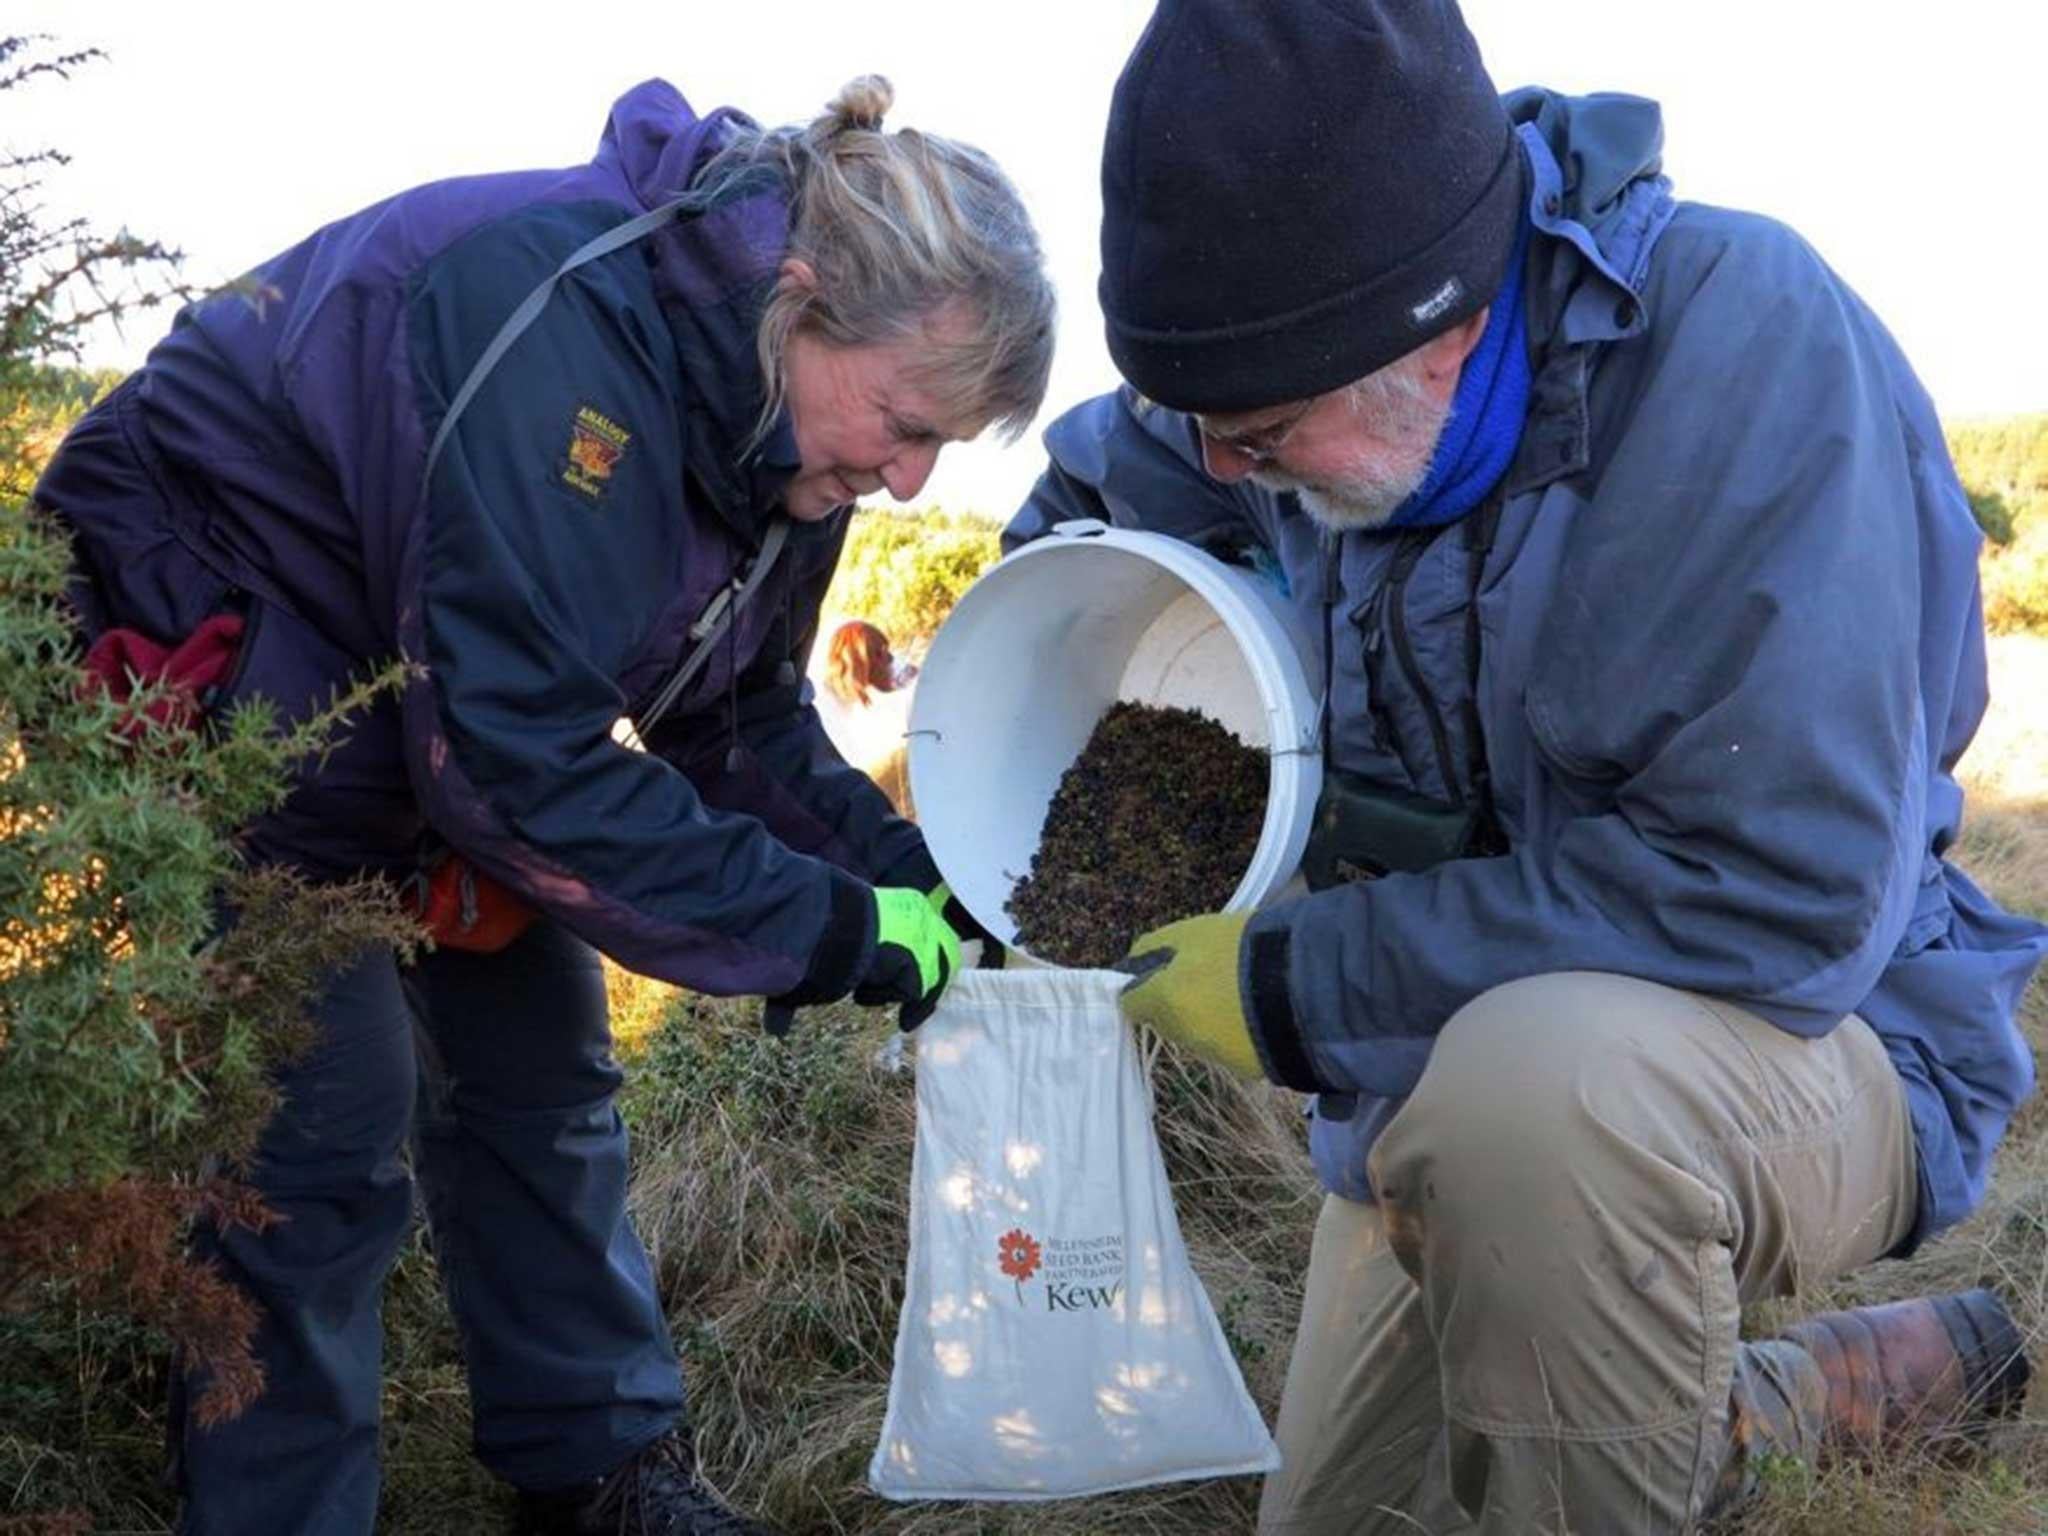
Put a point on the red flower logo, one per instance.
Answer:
(1017, 1252)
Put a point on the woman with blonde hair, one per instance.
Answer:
(578, 444)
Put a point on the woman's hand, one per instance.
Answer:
(916, 954)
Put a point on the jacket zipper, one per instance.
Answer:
(1333, 586)
(1406, 558)
(1369, 618)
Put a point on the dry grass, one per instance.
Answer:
(771, 1186)
(806, 1151)
(2005, 832)
(773, 1195)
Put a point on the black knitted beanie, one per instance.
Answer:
(1297, 192)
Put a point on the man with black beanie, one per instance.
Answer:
(1632, 982)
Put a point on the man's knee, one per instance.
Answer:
(1538, 1093)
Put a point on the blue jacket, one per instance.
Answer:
(1729, 651)
(589, 504)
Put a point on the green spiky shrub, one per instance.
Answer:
(137, 1029)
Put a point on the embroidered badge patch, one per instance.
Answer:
(596, 444)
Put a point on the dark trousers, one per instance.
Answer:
(522, 1159)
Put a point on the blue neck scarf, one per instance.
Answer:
(1487, 412)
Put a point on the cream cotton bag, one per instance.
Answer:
(1054, 1340)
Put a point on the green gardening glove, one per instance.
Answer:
(916, 954)
(1184, 986)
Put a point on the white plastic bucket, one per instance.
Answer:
(1039, 648)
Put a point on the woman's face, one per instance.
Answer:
(861, 424)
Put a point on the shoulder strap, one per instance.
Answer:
(1481, 526)
(686, 206)
(720, 612)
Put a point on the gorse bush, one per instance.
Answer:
(35, 413)
(148, 980)
(138, 1023)
(1993, 516)
(904, 571)
(2008, 456)
(129, 1033)
(57, 282)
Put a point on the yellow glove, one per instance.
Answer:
(1185, 988)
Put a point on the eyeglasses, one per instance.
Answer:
(1261, 444)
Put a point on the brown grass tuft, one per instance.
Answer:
(117, 1249)
(773, 1193)
(66, 1522)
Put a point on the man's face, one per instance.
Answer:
(1354, 455)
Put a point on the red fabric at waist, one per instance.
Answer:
(124, 660)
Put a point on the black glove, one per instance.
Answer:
(915, 954)
(962, 922)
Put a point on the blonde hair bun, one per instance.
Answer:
(861, 103)
(894, 228)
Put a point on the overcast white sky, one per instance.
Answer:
(1905, 141)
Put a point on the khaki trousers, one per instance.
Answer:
(1535, 1328)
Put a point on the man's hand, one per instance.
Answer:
(916, 954)
(1185, 987)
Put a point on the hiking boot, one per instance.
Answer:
(1939, 1366)
(1934, 1371)
(654, 1492)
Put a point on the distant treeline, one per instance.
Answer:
(2003, 464)
(905, 570)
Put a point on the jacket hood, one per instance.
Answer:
(1598, 193)
(1603, 143)
(658, 143)
(713, 275)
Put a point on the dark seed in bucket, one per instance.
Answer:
(1157, 820)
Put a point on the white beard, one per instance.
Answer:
(1363, 496)
(1382, 473)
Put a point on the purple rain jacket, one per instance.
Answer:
(591, 500)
